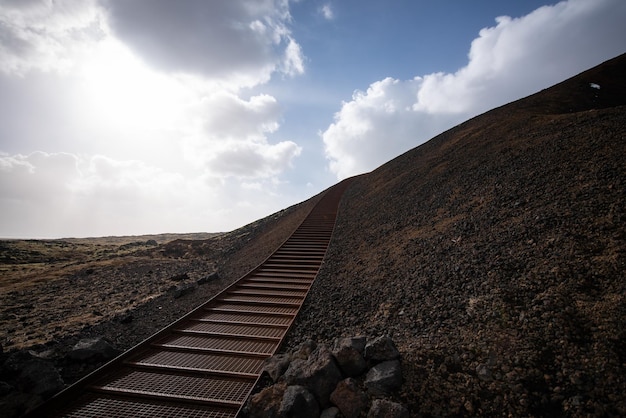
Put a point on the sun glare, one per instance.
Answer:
(123, 91)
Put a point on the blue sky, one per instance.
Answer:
(133, 117)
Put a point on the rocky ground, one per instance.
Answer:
(122, 298)
(493, 255)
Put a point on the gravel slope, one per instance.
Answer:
(494, 255)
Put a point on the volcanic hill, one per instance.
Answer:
(493, 255)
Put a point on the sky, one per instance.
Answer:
(123, 117)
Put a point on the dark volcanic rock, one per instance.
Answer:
(208, 278)
(180, 277)
(319, 373)
(32, 375)
(332, 412)
(384, 378)
(314, 372)
(267, 402)
(5, 388)
(93, 349)
(39, 377)
(349, 355)
(27, 381)
(381, 349)
(184, 289)
(304, 350)
(276, 365)
(298, 402)
(382, 408)
(349, 398)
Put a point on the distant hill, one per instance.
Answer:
(495, 255)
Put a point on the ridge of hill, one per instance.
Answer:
(494, 255)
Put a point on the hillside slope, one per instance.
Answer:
(494, 255)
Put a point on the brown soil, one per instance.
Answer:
(494, 255)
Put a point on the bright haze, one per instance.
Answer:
(127, 117)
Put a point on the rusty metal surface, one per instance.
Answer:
(207, 363)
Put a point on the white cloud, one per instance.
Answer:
(327, 11)
(59, 195)
(147, 99)
(228, 116)
(241, 42)
(39, 177)
(232, 138)
(46, 35)
(293, 63)
(235, 43)
(373, 126)
(512, 59)
(252, 160)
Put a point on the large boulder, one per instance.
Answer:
(384, 378)
(276, 365)
(381, 349)
(298, 402)
(349, 398)
(349, 355)
(31, 375)
(304, 350)
(39, 377)
(267, 402)
(319, 373)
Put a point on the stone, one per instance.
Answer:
(5, 388)
(319, 373)
(384, 378)
(39, 377)
(358, 343)
(348, 353)
(13, 363)
(126, 319)
(483, 372)
(298, 402)
(349, 398)
(96, 349)
(383, 408)
(276, 365)
(208, 278)
(332, 412)
(304, 350)
(381, 349)
(19, 403)
(267, 402)
(47, 354)
(180, 277)
(184, 289)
